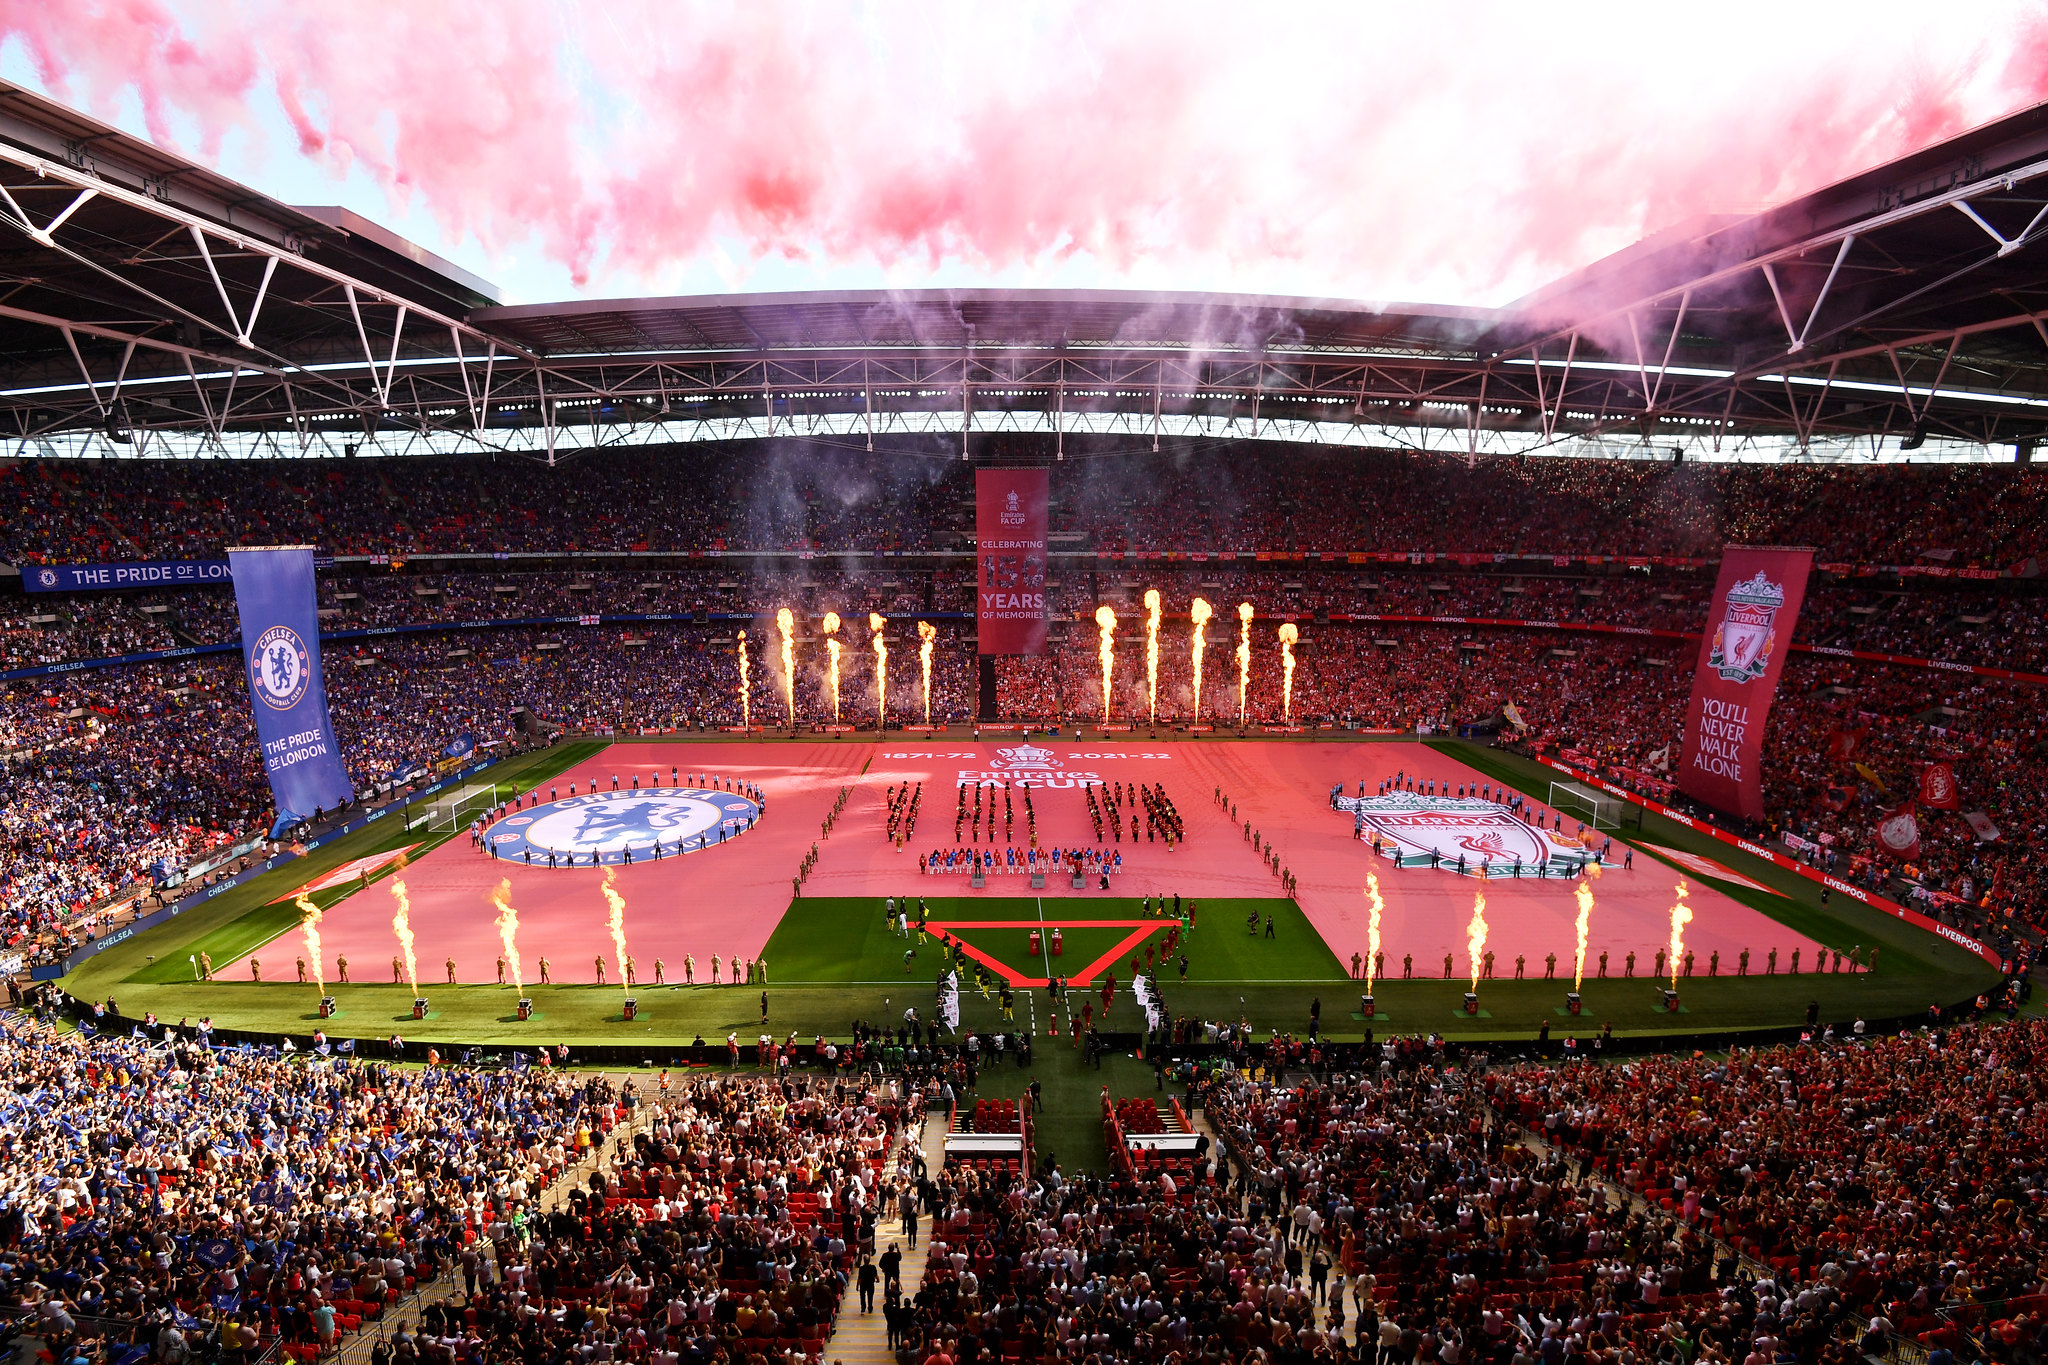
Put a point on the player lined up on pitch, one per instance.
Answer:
(1079, 862)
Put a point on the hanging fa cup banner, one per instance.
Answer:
(1010, 515)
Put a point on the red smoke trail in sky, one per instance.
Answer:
(635, 140)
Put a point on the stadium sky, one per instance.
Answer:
(1448, 153)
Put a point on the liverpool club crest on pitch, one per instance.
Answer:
(1468, 835)
(1747, 635)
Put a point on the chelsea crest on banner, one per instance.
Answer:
(275, 598)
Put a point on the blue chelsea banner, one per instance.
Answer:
(281, 662)
(155, 573)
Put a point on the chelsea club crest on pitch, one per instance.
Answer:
(617, 827)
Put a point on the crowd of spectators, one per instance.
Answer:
(1822, 1205)
(1973, 628)
(1809, 1205)
(109, 773)
(56, 629)
(1849, 742)
(1960, 627)
(601, 501)
(785, 498)
(1375, 675)
(728, 1228)
(165, 1199)
(359, 601)
(1895, 1179)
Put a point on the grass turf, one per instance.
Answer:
(844, 939)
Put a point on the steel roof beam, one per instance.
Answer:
(65, 174)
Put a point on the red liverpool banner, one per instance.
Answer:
(1749, 625)
(1009, 529)
(1938, 787)
(1898, 834)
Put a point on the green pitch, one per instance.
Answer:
(838, 940)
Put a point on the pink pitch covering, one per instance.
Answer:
(729, 899)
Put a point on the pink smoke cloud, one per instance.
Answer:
(1458, 154)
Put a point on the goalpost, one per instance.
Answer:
(1596, 808)
(455, 810)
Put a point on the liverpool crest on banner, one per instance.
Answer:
(1747, 635)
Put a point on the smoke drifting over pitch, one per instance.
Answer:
(649, 145)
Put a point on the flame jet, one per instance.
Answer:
(309, 925)
(1372, 928)
(508, 932)
(785, 621)
(746, 692)
(1152, 652)
(831, 626)
(401, 925)
(615, 920)
(1244, 661)
(927, 636)
(1681, 915)
(1584, 927)
(1105, 650)
(875, 624)
(1289, 634)
(1475, 935)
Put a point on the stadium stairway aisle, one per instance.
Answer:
(863, 1338)
(356, 1349)
(1199, 1122)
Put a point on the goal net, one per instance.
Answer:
(455, 810)
(1596, 808)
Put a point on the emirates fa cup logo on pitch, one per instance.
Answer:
(1747, 635)
(1025, 757)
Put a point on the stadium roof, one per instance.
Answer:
(152, 307)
